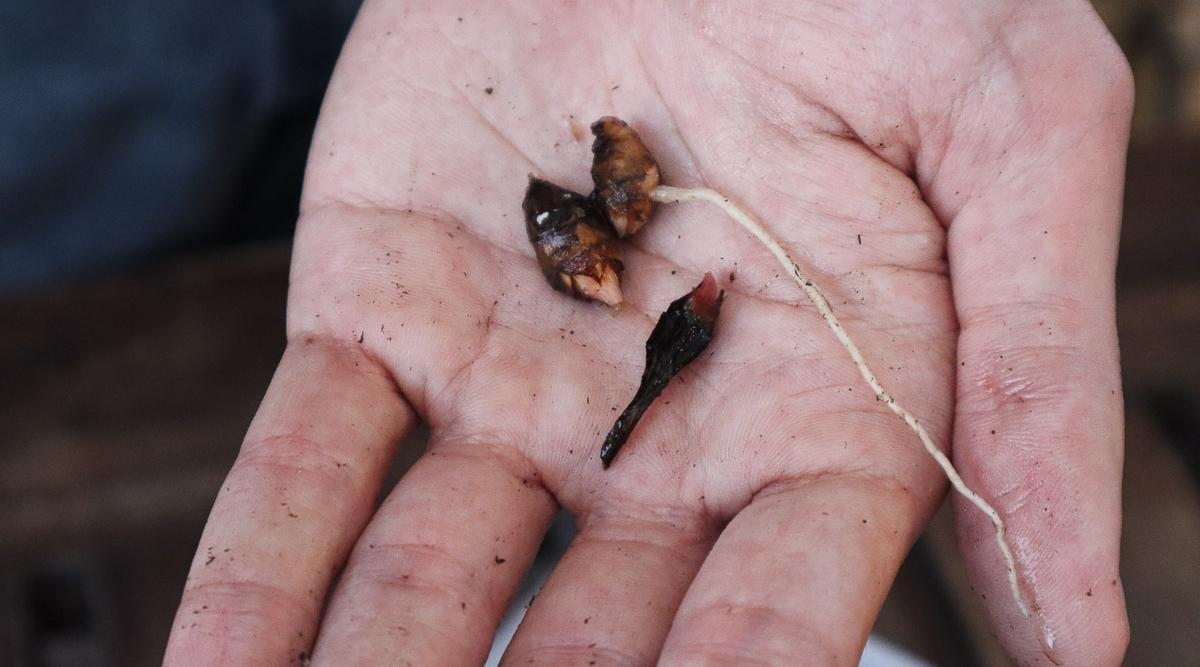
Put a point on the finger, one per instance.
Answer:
(434, 571)
(1032, 246)
(799, 575)
(611, 598)
(298, 495)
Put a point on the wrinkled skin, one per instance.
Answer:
(761, 509)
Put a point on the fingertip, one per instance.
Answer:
(1069, 579)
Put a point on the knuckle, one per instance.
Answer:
(731, 633)
(238, 617)
(1106, 78)
(574, 653)
(291, 459)
(1021, 374)
(254, 599)
(662, 524)
(1021, 356)
(412, 570)
(1107, 59)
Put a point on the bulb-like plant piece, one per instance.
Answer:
(624, 173)
(573, 235)
(573, 242)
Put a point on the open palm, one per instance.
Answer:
(952, 180)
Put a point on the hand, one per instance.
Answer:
(950, 174)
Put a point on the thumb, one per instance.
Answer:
(1029, 182)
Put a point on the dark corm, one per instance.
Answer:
(573, 242)
(681, 334)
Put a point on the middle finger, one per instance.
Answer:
(611, 598)
(432, 574)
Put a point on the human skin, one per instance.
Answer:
(762, 507)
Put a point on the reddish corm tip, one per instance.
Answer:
(706, 298)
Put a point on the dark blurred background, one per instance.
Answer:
(151, 155)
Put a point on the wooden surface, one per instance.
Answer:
(122, 405)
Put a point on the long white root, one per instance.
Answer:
(669, 194)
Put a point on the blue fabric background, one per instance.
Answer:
(133, 128)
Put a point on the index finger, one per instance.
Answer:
(297, 498)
